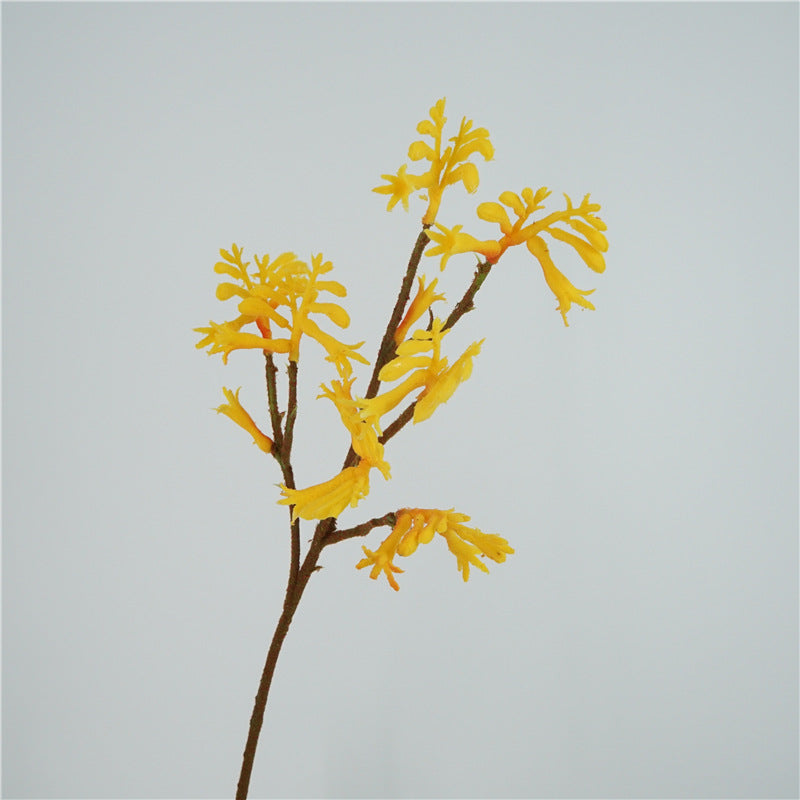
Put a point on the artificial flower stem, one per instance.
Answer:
(461, 308)
(288, 472)
(271, 371)
(398, 424)
(363, 529)
(465, 303)
(387, 348)
(291, 412)
(283, 446)
(294, 591)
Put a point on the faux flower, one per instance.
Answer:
(281, 294)
(586, 238)
(447, 167)
(416, 526)
(423, 300)
(234, 409)
(364, 436)
(400, 187)
(421, 360)
(564, 291)
(330, 498)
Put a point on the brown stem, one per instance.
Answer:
(465, 303)
(288, 472)
(398, 424)
(462, 307)
(326, 532)
(294, 591)
(360, 530)
(387, 348)
(291, 411)
(275, 415)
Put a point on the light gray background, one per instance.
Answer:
(642, 641)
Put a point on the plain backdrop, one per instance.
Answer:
(643, 639)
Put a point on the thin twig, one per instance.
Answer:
(272, 396)
(360, 530)
(398, 424)
(465, 303)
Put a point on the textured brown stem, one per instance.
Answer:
(291, 411)
(465, 303)
(360, 530)
(398, 424)
(294, 591)
(271, 372)
(462, 307)
(387, 348)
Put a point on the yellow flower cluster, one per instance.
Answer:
(280, 301)
(416, 526)
(587, 240)
(446, 167)
(285, 283)
(362, 418)
(351, 485)
(429, 372)
(329, 499)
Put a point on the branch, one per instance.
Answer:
(399, 423)
(462, 307)
(387, 348)
(465, 303)
(363, 529)
(275, 415)
(291, 412)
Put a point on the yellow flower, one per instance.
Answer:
(590, 244)
(421, 357)
(400, 187)
(415, 526)
(381, 559)
(225, 338)
(329, 499)
(450, 242)
(234, 409)
(284, 283)
(441, 388)
(564, 291)
(446, 167)
(363, 434)
(423, 300)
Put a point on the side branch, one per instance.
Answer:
(398, 424)
(291, 411)
(363, 529)
(308, 567)
(465, 303)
